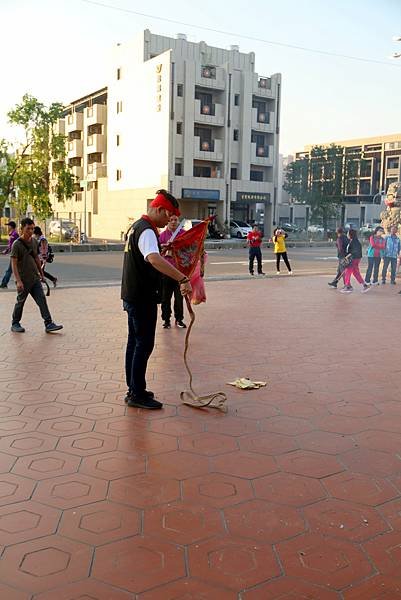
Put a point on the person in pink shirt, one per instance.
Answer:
(170, 286)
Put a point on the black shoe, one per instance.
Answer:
(261, 273)
(146, 393)
(3, 285)
(51, 327)
(383, 282)
(144, 402)
(55, 282)
(17, 328)
(180, 324)
(166, 325)
(393, 283)
(332, 284)
(250, 272)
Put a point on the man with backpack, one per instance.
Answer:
(45, 253)
(27, 271)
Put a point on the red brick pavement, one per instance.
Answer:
(294, 494)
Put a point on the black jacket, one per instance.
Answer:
(342, 243)
(354, 248)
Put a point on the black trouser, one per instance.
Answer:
(255, 253)
(49, 276)
(285, 259)
(170, 287)
(389, 260)
(36, 291)
(373, 265)
(141, 339)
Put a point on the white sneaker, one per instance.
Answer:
(278, 273)
(290, 273)
(365, 289)
(375, 283)
(346, 290)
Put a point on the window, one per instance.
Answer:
(233, 173)
(236, 135)
(256, 176)
(119, 106)
(364, 187)
(393, 163)
(89, 111)
(97, 128)
(236, 99)
(178, 168)
(118, 174)
(118, 73)
(180, 89)
(202, 172)
(179, 128)
(117, 140)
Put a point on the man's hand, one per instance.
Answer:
(20, 286)
(185, 288)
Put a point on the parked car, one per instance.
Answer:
(315, 229)
(64, 229)
(290, 228)
(239, 229)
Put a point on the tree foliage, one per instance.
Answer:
(25, 170)
(322, 178)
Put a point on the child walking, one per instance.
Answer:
(280, 249)
(354, 249)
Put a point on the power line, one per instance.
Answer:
(245, 37)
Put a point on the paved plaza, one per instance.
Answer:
(295, 493)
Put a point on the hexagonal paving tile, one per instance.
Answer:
(183, 523)
(188, 589)
(68, 385)
(352, 409)
(244, 464)
(99, 523)
(177, 426)
(208, 444)
(17, 424)
(268, 443)
(255, 410)
(263, 521)
(81, 397)
(46, 465)
(66, 426)
(14, 489)
(48, 411)
(26, 521)
(6, 462)
(113, 465)
(216, 490)
(288, 588)
(88, 444)
(85, 590)
(391, 511)
(32, 397)
(11, 594)
(138, 563)
(286, 425)
(147, 443)
(361, 488)
(324, 561)
(234, 563)
(385, 552)
(326, 442)
(10, 410)
(372, 462)
(178, 465)
(232, 426)
(285, 488)
(376, 588)
(119, 426)
(27, 443)
(340, 424)
(68, 491)
(44, 563)
(344, 520)
(379, 440)
(100, 410)
(144, 490)
(311, 464)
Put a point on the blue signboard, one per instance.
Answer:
(191, 194)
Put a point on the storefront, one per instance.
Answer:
(200, 203)
(252, 207)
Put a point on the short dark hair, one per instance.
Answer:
(27, 221)
(353, 234)
(37, 230)
(169, 197)
(12, 224)
(378, 228)
(339, 230)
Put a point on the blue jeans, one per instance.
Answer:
(388, 260)
(7, 275)
(141, 340)
(36, 291)
(373, 265)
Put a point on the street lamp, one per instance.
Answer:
(379, 194)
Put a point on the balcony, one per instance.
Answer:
(261, 155)
(75, 149)
(392, 172)
(74, 122)
(262, 87)
(96, 143)
(95, 114)
(78, 172)
(262, 121)
(210, 114)
(208, 150)
(59, 127)
(96, 170)
(211, 77)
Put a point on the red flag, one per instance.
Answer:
(188, 247)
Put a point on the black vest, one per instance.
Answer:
(141, 283)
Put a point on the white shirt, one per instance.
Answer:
(147, 243)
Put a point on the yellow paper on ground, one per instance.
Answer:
(243, 383)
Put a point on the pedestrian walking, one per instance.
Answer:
(354, 251)
(280, 250)
(12, 236)
(376, 248)
(254, 241)
(391, 253)
(27, 271)
(171, 286)
(141, 291)
(341, 244)
(45, 253)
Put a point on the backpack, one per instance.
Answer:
(50, 254)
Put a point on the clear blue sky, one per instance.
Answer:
(58, 49)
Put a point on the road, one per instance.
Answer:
(79, 269)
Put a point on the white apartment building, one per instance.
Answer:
(187, 117)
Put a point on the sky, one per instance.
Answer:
(57, 50)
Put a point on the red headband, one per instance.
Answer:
(163, 202)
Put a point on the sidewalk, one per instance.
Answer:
(295, 493)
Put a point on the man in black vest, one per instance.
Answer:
(141, 292)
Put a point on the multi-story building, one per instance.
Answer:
(191, 118)
(377, 164)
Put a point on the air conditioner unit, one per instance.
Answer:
(206, 72)
(206, 109)
(263, 83)
(262, 118)
(260, 151)
(205, 146)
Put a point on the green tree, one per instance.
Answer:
(27, 167)
(319, 179)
